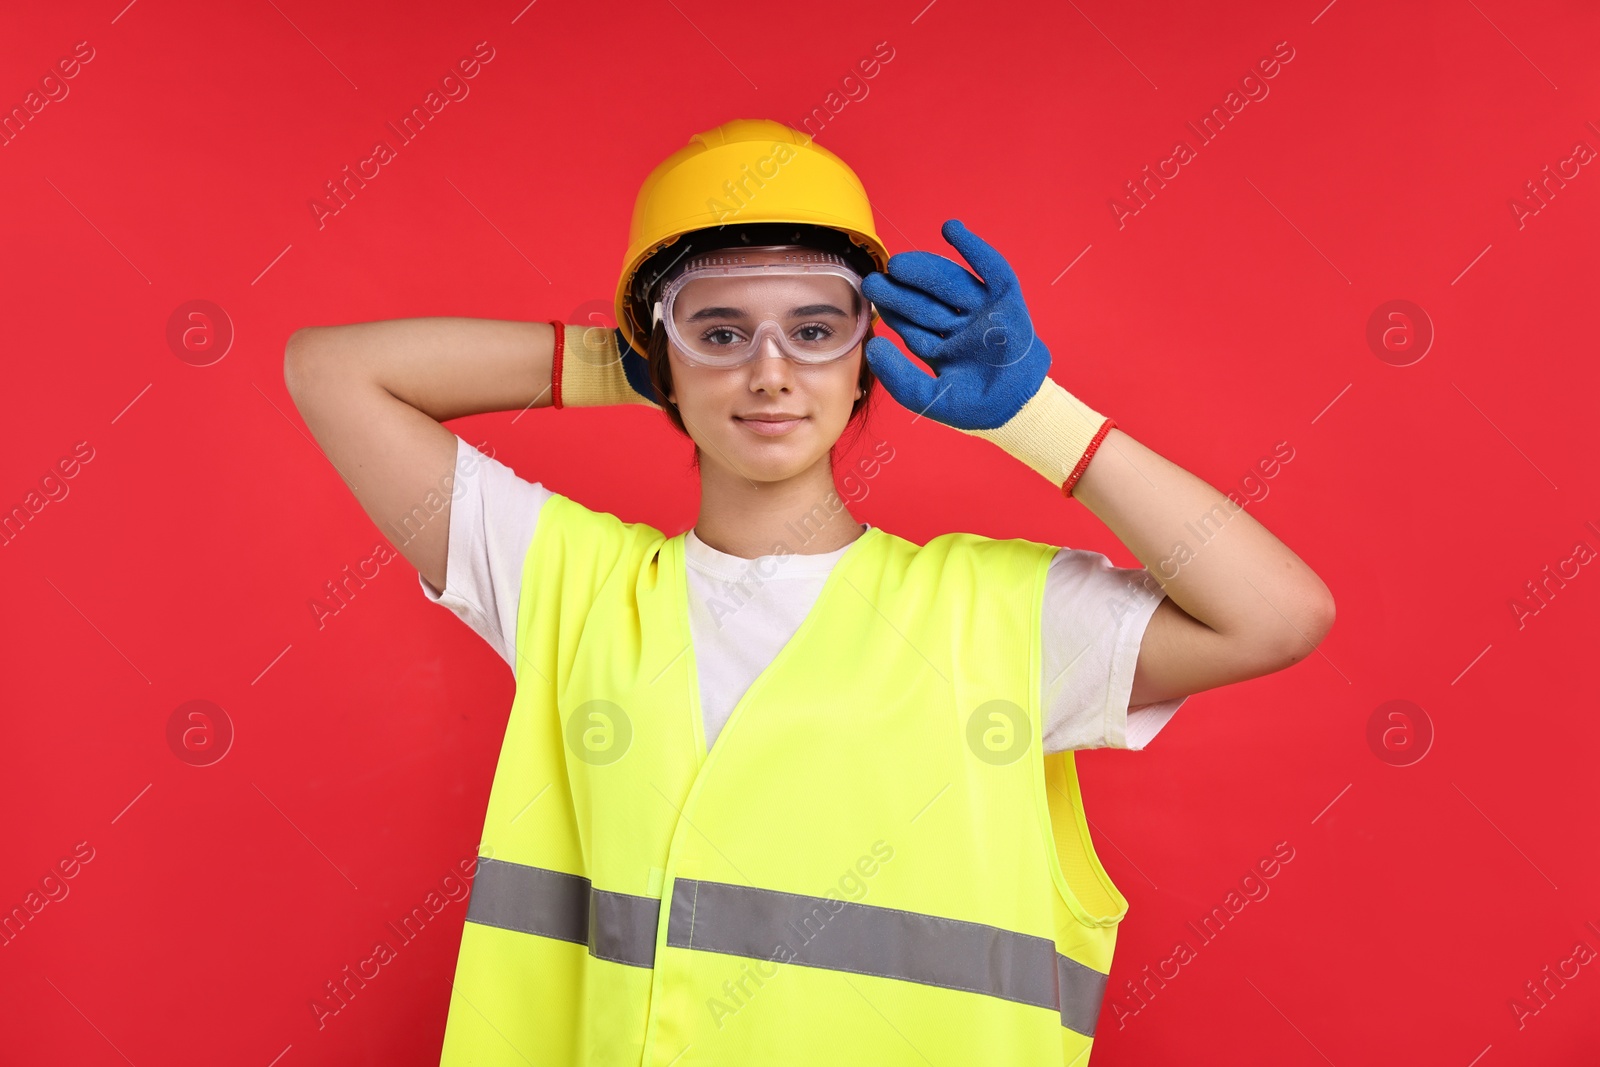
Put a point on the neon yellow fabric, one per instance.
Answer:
(853, 769)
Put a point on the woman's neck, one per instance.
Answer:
(803, 515)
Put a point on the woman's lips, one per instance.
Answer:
(770, 429)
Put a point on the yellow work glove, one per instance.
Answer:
(594, 367)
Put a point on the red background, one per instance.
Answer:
(1228, 315)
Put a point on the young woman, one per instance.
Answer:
(786, 788)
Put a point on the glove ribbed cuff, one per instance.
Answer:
(1055, 433)
(586, 370)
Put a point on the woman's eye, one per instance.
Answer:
(721, 335)
(815, 331)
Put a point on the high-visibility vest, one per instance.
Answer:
(875, 863)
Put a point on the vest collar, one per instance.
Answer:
(675, 563)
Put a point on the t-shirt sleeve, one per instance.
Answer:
(492, 518)
(1094, 619)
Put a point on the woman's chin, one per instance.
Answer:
(773, 461)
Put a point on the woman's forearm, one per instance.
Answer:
(374, 395)
(1213, 559)
(444, 367)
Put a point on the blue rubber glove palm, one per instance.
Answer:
(991, 371)
(637, 370)
(975, 334)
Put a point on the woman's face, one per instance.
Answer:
(724, 409)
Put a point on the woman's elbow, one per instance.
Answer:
(1302, 636)
(301, 353)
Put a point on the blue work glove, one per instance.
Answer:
(637, 370)
(991, 370)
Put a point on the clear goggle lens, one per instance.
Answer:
(723, 309)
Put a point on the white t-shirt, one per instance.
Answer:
(1094, 614)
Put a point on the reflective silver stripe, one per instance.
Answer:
(622, 927)
(787, 927)
(1082, 991)
(532, 900)
(886, 942)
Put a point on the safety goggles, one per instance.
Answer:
(723, 305)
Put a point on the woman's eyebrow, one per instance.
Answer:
(733, 312)
(715, 313)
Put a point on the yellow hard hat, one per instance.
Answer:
(744, 173)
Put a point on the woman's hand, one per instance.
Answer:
(991, 371)
(975, 333)
(637, 370)
(597, 367)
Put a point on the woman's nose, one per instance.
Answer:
(771, 367)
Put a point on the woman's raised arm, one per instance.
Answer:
(375, 394)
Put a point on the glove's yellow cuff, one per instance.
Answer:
(587, 370)
(1055, 433)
